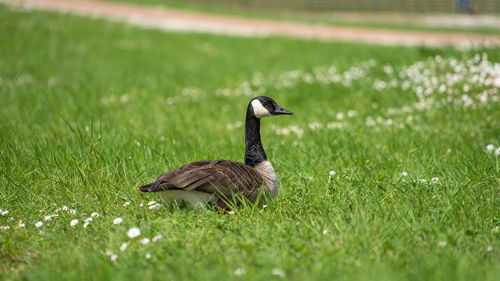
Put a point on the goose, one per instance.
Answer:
(218, 182)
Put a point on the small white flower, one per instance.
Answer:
(490, 148)
(56, 210)
(73, 222)
(65, 208)
(495, 229)
(41, 210)
(151, 203)
(85, 225)
(89, 219)
(39, 224)
(442, 243)
(497, 151)
(422, 180)
(239, 271)
(141, 205)
(340, 116)
(4, 212)
(231, 212)
(325, 231)
(489, 249)
(72, 211)
(95, 215)
(47, 218)
(332, 173)
(435, 180)
(404, 173)
(157, 237)
(264, 206)
(10, 219)
(144, 241)
(109, 252)
(133, 232)
(21, 225)
(126, 204)
(156, 206)
(117, 221)
(5, 227)
(114, 257)
(147, 256)
(123, 246)
(278, 272)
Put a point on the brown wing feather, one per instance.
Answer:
(221, 177)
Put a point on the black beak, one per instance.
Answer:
(281, 111)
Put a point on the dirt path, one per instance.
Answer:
(177, 20)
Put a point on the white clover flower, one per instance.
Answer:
(157, 237)
(325, 231)
(72, 211)
(278, 272)
(39, 224)
(47, 218)
(95, 215)
(435, 180)
(114, 257)
(117, 221)
(126, 204)
(123, 246)
(442, 243)
(332, 173)
(151, 203)
(351, 113)
(144, 241)
(490, 148)
(65, 208)
(239, 271)
(73, 222)
(4, 212)
(404, 173)
(133, 232)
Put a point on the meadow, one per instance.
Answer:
(389, 168)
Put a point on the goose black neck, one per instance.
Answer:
(254, 152)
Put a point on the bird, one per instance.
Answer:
(223, 183)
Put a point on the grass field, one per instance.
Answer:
(92, 109)
(409, 22)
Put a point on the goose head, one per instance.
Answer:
(265, 106)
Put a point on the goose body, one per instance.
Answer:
(218, 182)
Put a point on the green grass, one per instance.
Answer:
(325, 17)
(91, 109)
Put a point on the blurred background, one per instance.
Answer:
(426, 6)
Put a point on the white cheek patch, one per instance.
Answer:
(259, 110)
